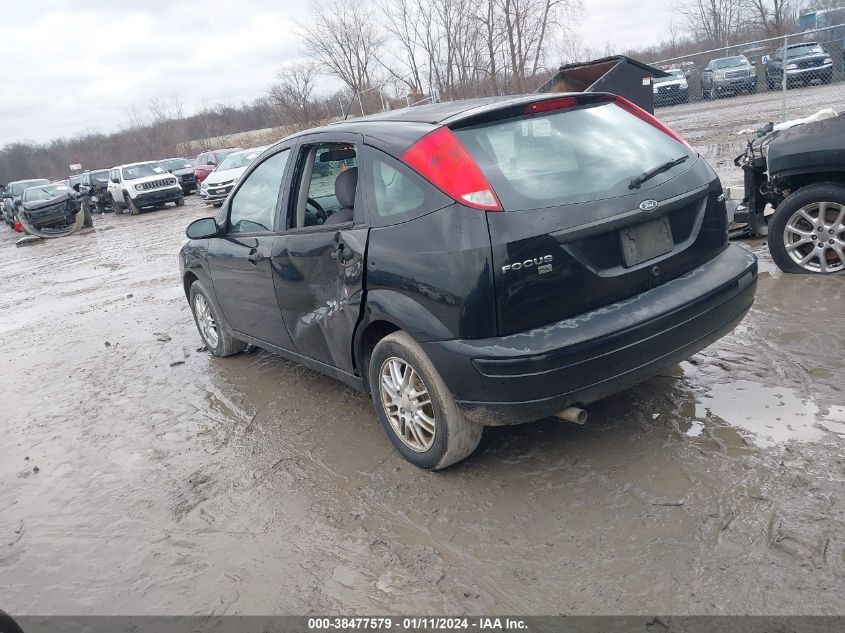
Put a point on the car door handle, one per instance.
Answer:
(339, 254)
(255, 256)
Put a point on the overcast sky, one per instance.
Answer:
(71, 67)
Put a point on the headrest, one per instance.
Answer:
(345, 185)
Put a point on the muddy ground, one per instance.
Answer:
(141, 475)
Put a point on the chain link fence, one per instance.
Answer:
(781, 64)
(717, 98)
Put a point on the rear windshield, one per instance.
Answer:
(569, 156)
(100, 176)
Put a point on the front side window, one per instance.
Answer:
(324, 188)
(254, 206)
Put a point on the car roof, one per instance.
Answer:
(250, 150)
(443, 112)
(450, 110)
(143, 162)
(20, 182)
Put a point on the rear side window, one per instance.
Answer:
(399, 194)
(567, 156)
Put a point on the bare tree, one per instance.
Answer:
(345, 39)
(777, 17)
(293, 93)
(716, 21)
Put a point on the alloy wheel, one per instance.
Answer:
(407, 404)
(205, 321)
(814, 237)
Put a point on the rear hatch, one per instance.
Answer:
(573, 230)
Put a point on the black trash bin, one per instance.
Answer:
(618, 74)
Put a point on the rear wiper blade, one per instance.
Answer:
(651, 173)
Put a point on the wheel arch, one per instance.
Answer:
(388, 311)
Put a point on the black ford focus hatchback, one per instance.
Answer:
(473, 263)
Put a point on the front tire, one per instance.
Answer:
(213, 329)
(134, 209)
(415, 408)
(180, 201)
(807, 231)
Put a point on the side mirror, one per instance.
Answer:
(76, 187)
(202, 229)
(116, 181)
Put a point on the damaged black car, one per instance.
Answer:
(49, 208)
(93, 190)
(800, 173)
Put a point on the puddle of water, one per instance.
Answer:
(772, 415)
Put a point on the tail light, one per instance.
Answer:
(18, 227)
(442, 160)
(638, 112)
(551, 104)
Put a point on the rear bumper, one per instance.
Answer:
(533, 374)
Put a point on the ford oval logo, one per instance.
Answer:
(648, 205)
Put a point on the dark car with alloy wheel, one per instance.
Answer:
(473, 263)
(800, 172)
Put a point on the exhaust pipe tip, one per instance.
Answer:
(575, 415)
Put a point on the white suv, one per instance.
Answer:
(139, 185)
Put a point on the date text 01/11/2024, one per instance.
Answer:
(416, 623)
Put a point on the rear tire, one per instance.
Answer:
(221, 342)
(428, 430)
(788, 220)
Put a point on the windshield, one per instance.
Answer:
(566, 156)
(674, 75)
(176, 163)
(141, 171)
(18, 188)
(727, 62)
(46, 192)
(241, 159)
(223, 153)
(804, 49)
